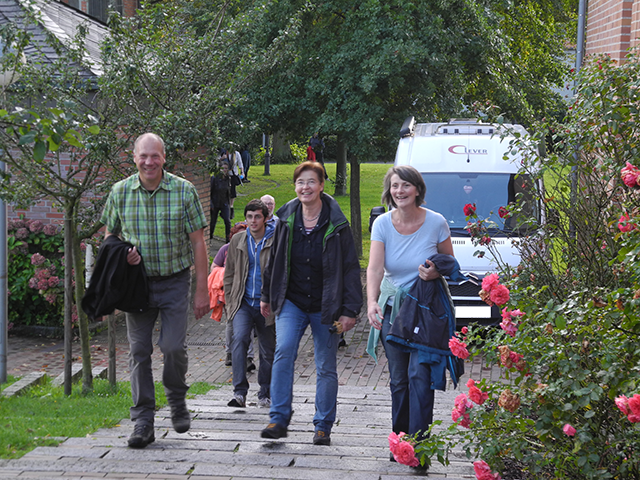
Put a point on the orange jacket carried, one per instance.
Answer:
(216, 292)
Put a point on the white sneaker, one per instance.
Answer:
(264, 402)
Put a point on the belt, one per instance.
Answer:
(166, 277)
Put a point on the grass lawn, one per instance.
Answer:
(44, 416)
(280, 185)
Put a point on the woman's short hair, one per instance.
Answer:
(238, 227)
(315, 167)
(406, 173)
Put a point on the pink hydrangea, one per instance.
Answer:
(36, 226)
(630, 175)
(458, 348)
(489, 282)
(51, 298)
(483, 471)
(499, 294)
(568, 430)
(54, 282)
(37, 259)
(50, 229)
(22, 233)
(475, 394)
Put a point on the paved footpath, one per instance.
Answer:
(224, 443)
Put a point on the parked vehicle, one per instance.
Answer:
(465, 162)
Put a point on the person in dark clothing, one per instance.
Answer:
(220, 199)
(312, 278)
(317, 144)
(246, 162)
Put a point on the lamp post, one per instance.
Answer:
(7, 77)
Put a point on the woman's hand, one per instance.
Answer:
(375, 315)
(430, 273)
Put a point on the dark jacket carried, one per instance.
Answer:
(115, 283)
(426, 321)
(341, 286)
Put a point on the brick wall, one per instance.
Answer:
(612, 27)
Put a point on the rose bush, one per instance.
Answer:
(568, 405)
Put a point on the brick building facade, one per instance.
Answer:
(613, 26)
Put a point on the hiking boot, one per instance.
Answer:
(237, 401)
(321, 438)
(250, 365)
(180, 418)
(142, 436)
(264, 402)
(274, 430)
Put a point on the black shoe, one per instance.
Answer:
(227, 362)
(142, 436)
(246, 180)
(342, 343)
(321, 438)
(180, 418)
(231, 214)
(391, 457)
(274, 430)
(238, 401)
(250, 365)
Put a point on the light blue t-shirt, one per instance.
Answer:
(404, 253)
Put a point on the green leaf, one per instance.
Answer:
(40, 150)
(561, 323)
(94, 129)
(27, 138)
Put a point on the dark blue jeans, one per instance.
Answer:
(245, 320)
(411, 396)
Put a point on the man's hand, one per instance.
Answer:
(201, 303)
(133, 257)
(347, 322)
(265, 309)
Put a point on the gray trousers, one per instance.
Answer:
(168, 297)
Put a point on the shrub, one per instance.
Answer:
(35, 273)
(568, 344)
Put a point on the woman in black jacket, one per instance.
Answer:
(313, 278)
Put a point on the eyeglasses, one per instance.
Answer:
(308, 183)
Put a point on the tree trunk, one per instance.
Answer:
(68, 301)
(356, 211)
(83, 321)
(341, 168)
(280, 148)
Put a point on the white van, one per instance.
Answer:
(463, 162)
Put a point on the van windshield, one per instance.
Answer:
(448, 193)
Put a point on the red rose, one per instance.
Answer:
(469, 209)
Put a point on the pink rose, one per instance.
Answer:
(464, 330)
(483, 471)
(569, 430)
(394, 440)
(406, 455)
(465, 418)
(624, 224)
(499, 294)
(489, 282)
(509, 327)
(622, 403)
(503, 212)
(458, 348)
(630, 175)
(475, 394)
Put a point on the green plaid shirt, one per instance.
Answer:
(157, 223)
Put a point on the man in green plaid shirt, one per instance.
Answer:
(161, 215)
